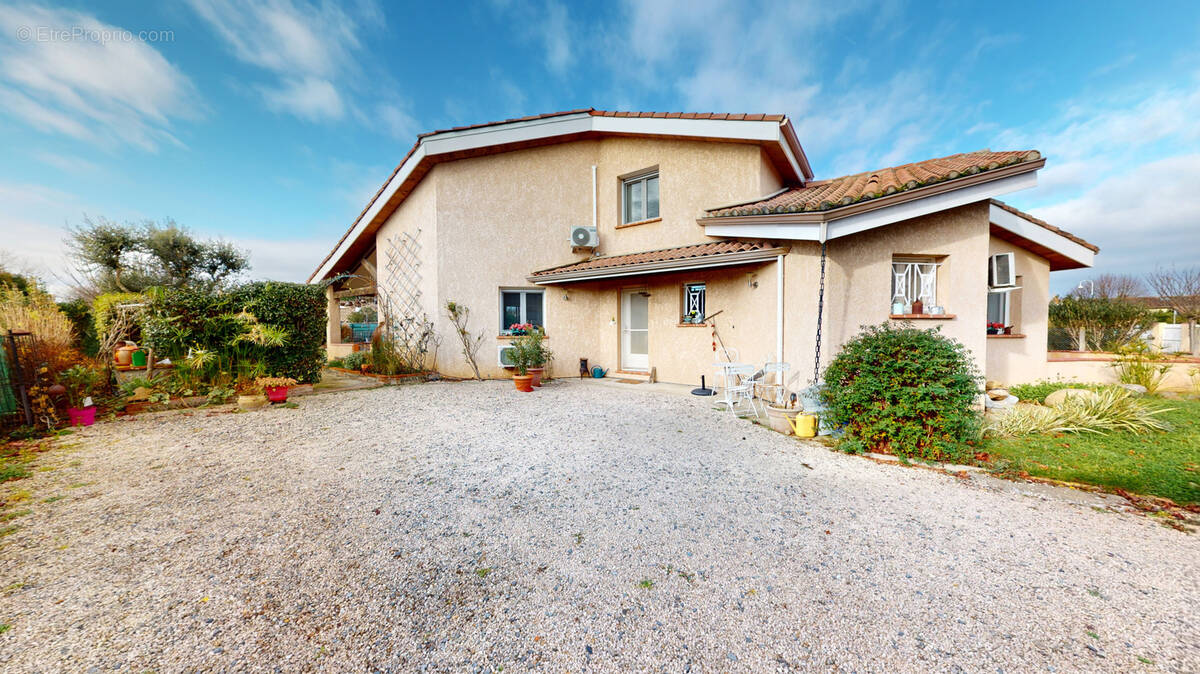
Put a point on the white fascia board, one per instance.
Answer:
(938, 202)
(394, 184)
(794, 232)
(1042, 236)
(763, 131)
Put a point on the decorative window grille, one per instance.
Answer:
(913, 280)
(693, 302)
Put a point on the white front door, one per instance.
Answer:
(635, 330)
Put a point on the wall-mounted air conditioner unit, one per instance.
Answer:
(1002, 272)
(504, 355)
(584, 237)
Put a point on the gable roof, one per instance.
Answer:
(774, 133)
(826, 195)
(693, 256)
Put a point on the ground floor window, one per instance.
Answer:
(914, 279)
(694, 295)
(520, 307)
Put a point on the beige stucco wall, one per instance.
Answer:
(1101, 372)
(503, 216)
(858, 278)
(1018, 361)
(417, 216)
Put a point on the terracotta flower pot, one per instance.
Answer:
(523, 382)
(82, 417)
(277, 394)
(537, 375)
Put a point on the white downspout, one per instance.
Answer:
(595, 198)
(779, 309)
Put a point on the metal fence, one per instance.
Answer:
(16, 378)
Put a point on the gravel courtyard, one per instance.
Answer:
(585, 527)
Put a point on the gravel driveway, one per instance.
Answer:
(467, 527)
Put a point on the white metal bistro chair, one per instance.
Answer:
(739, 386)
(773, 384)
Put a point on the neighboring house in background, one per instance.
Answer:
(607, 229)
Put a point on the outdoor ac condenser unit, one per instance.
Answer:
(584, 237)
(504, 354)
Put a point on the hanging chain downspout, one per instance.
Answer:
(820, 310)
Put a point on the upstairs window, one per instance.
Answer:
(520, 307)
(639, 198)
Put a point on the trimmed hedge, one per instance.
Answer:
(904, 391)
(298, 308)
(179, 319)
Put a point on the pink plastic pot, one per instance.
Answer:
(277, 394)
(82, 417)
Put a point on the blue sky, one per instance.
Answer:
(270, 123)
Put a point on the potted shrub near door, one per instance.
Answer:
(521, 360)
(539, 354)
(80, 382)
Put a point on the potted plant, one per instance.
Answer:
(80, 382)
(521, 361)
(250, 394)
(994, 328)
(276, 387)
(519, 329)
(539, 354)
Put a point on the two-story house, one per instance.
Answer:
(638, 240)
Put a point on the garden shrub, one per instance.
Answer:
(355, 360)
(298, 308)
(180, 320)
(904, 391)
(1137, 363)
(1037, 391)
(105, 305)
(1108, 323)
(1112, 409)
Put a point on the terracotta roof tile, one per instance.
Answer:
(698, 250)
(1042, 223)
(824, 195)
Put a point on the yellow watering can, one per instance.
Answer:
(803, 425)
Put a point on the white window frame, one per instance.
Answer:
(524, 293)
(1012, 270)
(641, 178)
(912, 274)
(1006, 302)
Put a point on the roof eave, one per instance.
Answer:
(659, 267)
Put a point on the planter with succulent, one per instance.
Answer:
(276, 387)
(250, 393)
(80, 382)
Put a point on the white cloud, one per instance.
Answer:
(100, 90)
(556, 36)
(308, 47)
(1143, 218)
(65, 163)
(1097, 136)
(279, 259)
(310, 98)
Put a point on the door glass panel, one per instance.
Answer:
(639, 311)
(533, 309)
(652, 198)
(639, 342)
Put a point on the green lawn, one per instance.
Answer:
(1152, 464)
